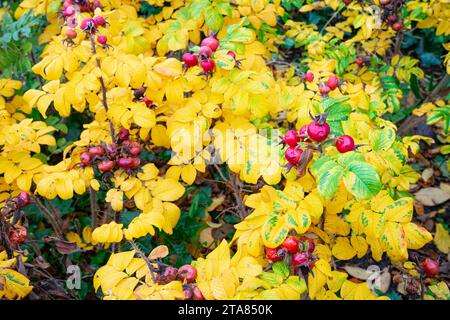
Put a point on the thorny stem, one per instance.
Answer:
(143, 257)
(93, 202)
(232, 184)
(50, 216)
(102, 84)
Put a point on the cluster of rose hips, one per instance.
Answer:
(17, 234)
(123, 154)
(87, 25)
(187, 274)
(318, 130)
(331, 83)
(388, 15)
(207, 47)
(301, 251)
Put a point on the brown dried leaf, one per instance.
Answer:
(357, 272)
(63, 247)
(427, 174)
(432, 196)
(159, 252)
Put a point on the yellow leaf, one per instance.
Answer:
(342, 249)
(167, 190)
(170, 67)
(442, 238)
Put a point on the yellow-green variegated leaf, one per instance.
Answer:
(394, 241)
(298, 220)
(362, 180)
(416, 236)
(399, 211)
(381, 139)
(274, 230)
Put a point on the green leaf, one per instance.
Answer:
(362, 180)
(213, 19)
(280, 268)
(328, 177)
(381, 139)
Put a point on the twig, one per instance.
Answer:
(143, 257)
(331, 19)
(444, 81)
(102, 84)
(51, 218)
(93, 201)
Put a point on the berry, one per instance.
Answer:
(71, 33)
(391, 19)
(303, 132)
(205, 51)
(88, 25)
(318, 132)
(23, 199)
(324, 90)
(309, 76)
(125, 163)
(190, 60)
(300, 259)
(290, 244)
(135, 151)
(332, 82)
(347, 2)
(147, 101)
(398, 26)
(272, 255)
(96, 151)
(123, 134)
(291, 138)
(187, 273)
(293, 155)
(18, 234)
(85, 158)
(232, 54)
(385, 2)
(211, 42)
(207, 65)
(198, 295)
(69, 11)
(359, 61)
(168, 275)
(431, 267)
(345, 143)
(99, 21)
(106, 165)
(136, 163)
(102, 39)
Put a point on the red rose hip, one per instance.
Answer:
(332, 82)
(187, 273)
(211, 42)
(190, 60)
(207, 65)
(318, 132)
(309, 76)
(293, 155)
(290, 244)
(431, 267)
(345, 144)
(106, 166)
(291, 138)
(272, 254)
(300, 259)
